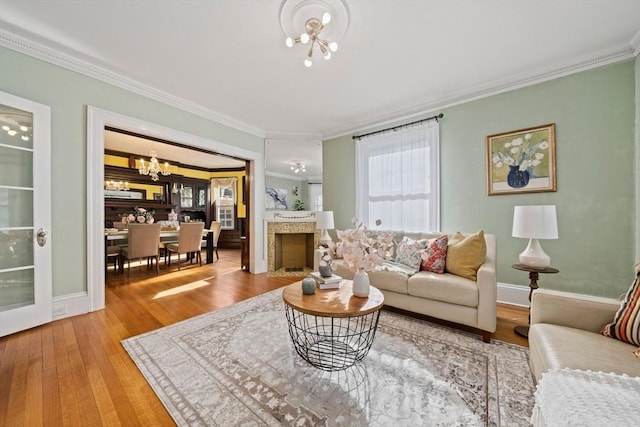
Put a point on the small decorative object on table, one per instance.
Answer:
(325, 264)
(362, 251)
(308, 286)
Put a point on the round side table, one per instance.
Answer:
(523, 330)
(332, 329)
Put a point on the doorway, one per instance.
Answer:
(97, 121)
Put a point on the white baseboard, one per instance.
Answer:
(70, 305)
(513, 294)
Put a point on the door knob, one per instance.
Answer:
(41, 237)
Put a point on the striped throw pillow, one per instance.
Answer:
(626, 322)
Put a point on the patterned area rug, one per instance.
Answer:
(237, 366)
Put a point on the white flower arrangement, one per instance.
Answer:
(362, 249)
(520, 152)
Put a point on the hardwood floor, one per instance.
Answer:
(75, 372)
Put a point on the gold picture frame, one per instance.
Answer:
(522, 161)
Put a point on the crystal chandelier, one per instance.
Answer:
(153, 169)
(116, 186)
(299, 167)
(306, 22)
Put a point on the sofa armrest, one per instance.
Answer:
(488, 288)
(578, 311)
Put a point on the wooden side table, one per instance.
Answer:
(523, 330)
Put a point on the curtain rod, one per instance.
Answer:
(436, 117)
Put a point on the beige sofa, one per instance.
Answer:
(565, 333)
(443, 296)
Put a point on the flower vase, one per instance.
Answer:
(517, 178)
(361, 284)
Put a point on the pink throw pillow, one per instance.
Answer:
(434, 257)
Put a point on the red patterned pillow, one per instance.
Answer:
(434, 256)
(626, 322)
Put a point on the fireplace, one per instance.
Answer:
(291, 242)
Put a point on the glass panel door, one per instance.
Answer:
(25, 267)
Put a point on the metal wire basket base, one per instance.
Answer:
(331, 343)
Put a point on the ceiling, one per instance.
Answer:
(399, 59)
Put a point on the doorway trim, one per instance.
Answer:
(97, 119)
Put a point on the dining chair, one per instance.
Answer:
(114, 253)
(144, 241)
(189, 240)
(215, 231)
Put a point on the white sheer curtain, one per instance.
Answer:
(218, 183)
(397, 178)
(315, 196)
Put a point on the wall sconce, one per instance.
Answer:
(294, 190)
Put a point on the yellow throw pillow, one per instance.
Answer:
(465, 255)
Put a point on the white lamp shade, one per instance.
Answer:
(535, 222)
(324, 220)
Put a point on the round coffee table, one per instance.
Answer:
(332, 329)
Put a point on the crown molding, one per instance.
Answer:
(285, 176)
(596, 60)
(53, 56)
(635, 44)
(293, 136)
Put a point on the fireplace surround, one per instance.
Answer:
(291, 239)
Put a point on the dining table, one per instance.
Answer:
(115, 236)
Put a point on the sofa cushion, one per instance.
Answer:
(434, 256)
(626, 322)
(389, 281)
(443, 287)
(556, 347)
(465, 255)
(409, 252)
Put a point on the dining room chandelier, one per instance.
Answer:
(305, 22)
(116, 185)
(153, 168)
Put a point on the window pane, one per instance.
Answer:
(16, 168)
(16, 289)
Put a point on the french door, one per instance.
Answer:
(25, 214)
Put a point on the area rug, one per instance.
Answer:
(237, 367)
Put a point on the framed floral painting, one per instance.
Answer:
(522, 161)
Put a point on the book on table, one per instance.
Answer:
(332, 282)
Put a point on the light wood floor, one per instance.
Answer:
(75, 372)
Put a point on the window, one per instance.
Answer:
(315, 197)
(224, 197)
(397, 178)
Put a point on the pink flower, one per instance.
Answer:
(150, 220)
(131, 218)
(364, 249)
(141, 219)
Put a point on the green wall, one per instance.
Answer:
(594, 112)
(68, 94)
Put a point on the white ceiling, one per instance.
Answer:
(399, 59)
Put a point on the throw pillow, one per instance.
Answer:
(465, 255)
(409, 252)
(626, 323)
(434, 256)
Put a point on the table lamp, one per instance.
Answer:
(533, 223)
(324, 222)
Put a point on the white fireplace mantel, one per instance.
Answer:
(290, 216)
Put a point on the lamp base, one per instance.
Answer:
(534, 256)
(325, 239)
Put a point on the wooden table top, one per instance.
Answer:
(332, 302)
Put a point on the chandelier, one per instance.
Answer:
(303, 21)
(153, 169)
(116, 186)
(299, 167)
